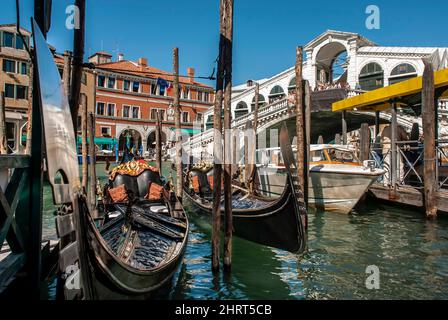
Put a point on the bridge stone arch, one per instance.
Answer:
(325, 58)
(323, 50)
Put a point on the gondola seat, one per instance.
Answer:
(158, 209)
(204, 186)
(138, 185)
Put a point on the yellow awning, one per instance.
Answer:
(380, 99)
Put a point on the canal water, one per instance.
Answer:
(411, 255)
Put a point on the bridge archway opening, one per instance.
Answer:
(402, 72)
(241, 109)
(130, 139)
(371, 77)
(331, 65)
(277, 93)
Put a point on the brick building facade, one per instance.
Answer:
(129, 93)
(123, 94)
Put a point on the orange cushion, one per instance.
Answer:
(119, 194)
(195, 183)
(210, 182)
(155, 191)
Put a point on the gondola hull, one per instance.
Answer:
(277, 225)
(137, 239)
(115, 279)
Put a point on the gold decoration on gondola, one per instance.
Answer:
(202, 166)
(131, 168)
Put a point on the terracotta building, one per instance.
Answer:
(129, 94)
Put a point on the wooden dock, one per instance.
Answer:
(407, 195)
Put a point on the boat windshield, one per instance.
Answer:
(317, 156)
(345, 156)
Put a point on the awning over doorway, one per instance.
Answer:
(188, 130)
(99, 141)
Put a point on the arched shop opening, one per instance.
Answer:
(130, 139)
(277, 93)
(151, 141)
(241, 109)
(402, 72)
(261, 102)
(371, 77)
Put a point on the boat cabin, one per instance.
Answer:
(319, 154)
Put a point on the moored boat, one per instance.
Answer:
(337, 179)
(272, 222)
(139, 236)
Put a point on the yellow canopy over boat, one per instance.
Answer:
(405, 93)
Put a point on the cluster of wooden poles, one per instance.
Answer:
(223, 105)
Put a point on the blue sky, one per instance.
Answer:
(265, 32)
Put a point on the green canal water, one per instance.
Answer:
(410, 253)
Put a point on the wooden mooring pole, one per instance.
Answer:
(66, 74)
(393, 150)
(320, 140)
(248, 158)
(228, 18)
(251, 181)
(377, 123)
(177, 124)
(364, 143)
(344, 127)
(3, 143)
(85, 166)
(159, 143)
(34, 245)
(92, 187)
(30, 112)
(302, 164)
(307, 139)
(337, 138)
(217, 143)
(429, 127)
(78, 59)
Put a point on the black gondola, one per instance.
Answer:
(273, 222)
(136, 246)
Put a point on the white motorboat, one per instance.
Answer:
(337, 179)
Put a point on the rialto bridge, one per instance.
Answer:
(337, 65)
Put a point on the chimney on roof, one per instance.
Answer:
(143, 62)
(120, 57)
(190, 72)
